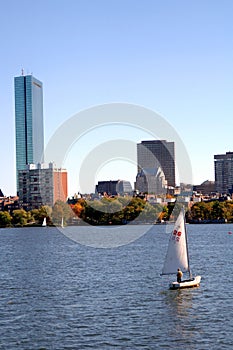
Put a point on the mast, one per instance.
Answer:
(187, 249)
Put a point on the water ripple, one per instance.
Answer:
(56, 294)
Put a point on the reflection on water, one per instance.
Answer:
(179, 302)
(181, 316)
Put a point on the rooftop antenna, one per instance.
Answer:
(22, 71)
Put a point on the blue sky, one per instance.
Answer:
(174, 57)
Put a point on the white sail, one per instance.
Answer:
(62, 223)
(44, 222)
(177, 253)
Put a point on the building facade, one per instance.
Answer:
(42, 185)
(60, 185)
(157, 154)
(29, 124)
(151, 181)
(116, 187)
(223, 167)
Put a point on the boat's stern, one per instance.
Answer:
(174, 285)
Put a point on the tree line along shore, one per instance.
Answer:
(118, 211)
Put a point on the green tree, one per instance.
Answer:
(149, 213)
(198, 211)
(217, 210)
(20, 217)
(61, 210)
(228, 211)
(134, 208)
(5, 219)
(36, 217)
(44, 212)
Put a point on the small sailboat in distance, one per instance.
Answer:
(44, 223)
(62, 222)
(177, 255)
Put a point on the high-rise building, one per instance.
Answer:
(223, 166)
(153, 155)
(42, 185)
(29, 124)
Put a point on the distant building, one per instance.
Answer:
(41, 185)
(29, 125)
(9, 203)
(223, 166)
(151, 181)
(116, 187)
(206, 188)
(154, 156)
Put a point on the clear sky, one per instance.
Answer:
(172, 56)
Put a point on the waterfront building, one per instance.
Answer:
(42, 185)
(223, 167)
(155, 159)
(116, 187)
(29, 125)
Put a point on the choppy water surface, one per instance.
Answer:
(57, 294)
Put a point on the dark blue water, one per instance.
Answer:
(57, 294)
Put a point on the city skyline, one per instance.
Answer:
(173, 58)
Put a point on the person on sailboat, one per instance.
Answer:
(179, 275)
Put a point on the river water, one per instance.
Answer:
(60, 294)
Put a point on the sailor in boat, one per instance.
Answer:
(179, 275)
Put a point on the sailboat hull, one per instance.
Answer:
(191, 283)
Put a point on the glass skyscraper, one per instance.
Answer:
(29, 123)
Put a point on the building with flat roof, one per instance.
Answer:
(115, 187)
(42, 185)
(223, 168)
(29, 123)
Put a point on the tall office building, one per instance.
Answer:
(223, 166)
(153, 155)
(29, 124)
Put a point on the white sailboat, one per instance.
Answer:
(62, 222)
(178, 257)
(44, 223)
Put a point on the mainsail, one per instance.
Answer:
(177, 253)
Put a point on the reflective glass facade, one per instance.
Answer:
(29, 126)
